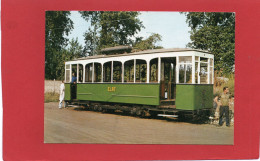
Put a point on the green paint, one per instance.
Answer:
(120, 93)
(67, 92)
(194, 96)
(188, 97)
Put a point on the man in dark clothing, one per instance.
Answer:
(74, 79)
(224, 106)
(73, 86)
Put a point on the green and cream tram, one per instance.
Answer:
(156, 82)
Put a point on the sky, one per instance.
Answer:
(171, 26)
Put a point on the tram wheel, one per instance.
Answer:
(138, 112)
(100, 109)
(133, 111)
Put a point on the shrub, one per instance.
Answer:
(220, 84)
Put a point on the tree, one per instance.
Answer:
(214, 32)
(73, 51)
(149, 43)
(109, 29)
(57, 25)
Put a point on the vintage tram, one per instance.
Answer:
(159, 82)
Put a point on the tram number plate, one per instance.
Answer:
(111, 89)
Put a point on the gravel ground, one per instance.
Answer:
(75, 125)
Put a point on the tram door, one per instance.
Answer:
(73, 87)
(168, 90)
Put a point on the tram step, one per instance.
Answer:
(167, 102)
(167, 106)
(163, 115)
(75, 100)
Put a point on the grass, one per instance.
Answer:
(220, 84)
(51, 97)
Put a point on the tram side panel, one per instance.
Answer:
(194, 97)
(67, 92)
(147, 94)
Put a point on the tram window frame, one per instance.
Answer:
(196, 72)
(204, 73)
(97, 72)
(117, 77)
(141, 73)
(187, 76)
(211, 70)
(67, 73)
(80, 73)
(107, 74)
(88, 72)
(168, 69)
(187, 63)
(153, 76)
(129, 71)
(74, 69)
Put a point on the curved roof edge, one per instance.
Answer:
(144, 52)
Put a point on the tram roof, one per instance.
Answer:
(143, 52)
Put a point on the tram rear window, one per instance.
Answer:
(185, 69)
(203, 73)
(185, 73)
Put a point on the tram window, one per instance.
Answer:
(196, 58)
(203, 73)
(168, 69)
(80, 78)
(162, 70)
(67, 79)
(88, 73)
(129, 71)
(154, 70)
(107, 72)
(196, 72)
(211, 75)
(74, 71)
(203, 59)
(97, 72)
(185, 73)
(117, 71)
(67, 70)
(211, 62)
(169, 72)
(185, 59)
(141, 71)
(188, 73)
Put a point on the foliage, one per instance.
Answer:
(74, 50)
(219, 84)
(57, 25)
(107, 29)
(110, 29)
(149, 43)
(214, 32)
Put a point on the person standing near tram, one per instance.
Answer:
(224, 107)
(73, 86)
(74, 78)
(62, 93)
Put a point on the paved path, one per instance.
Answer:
(74, 125)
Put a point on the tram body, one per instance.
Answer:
(160, 81)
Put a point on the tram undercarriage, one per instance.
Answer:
(169, 111)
